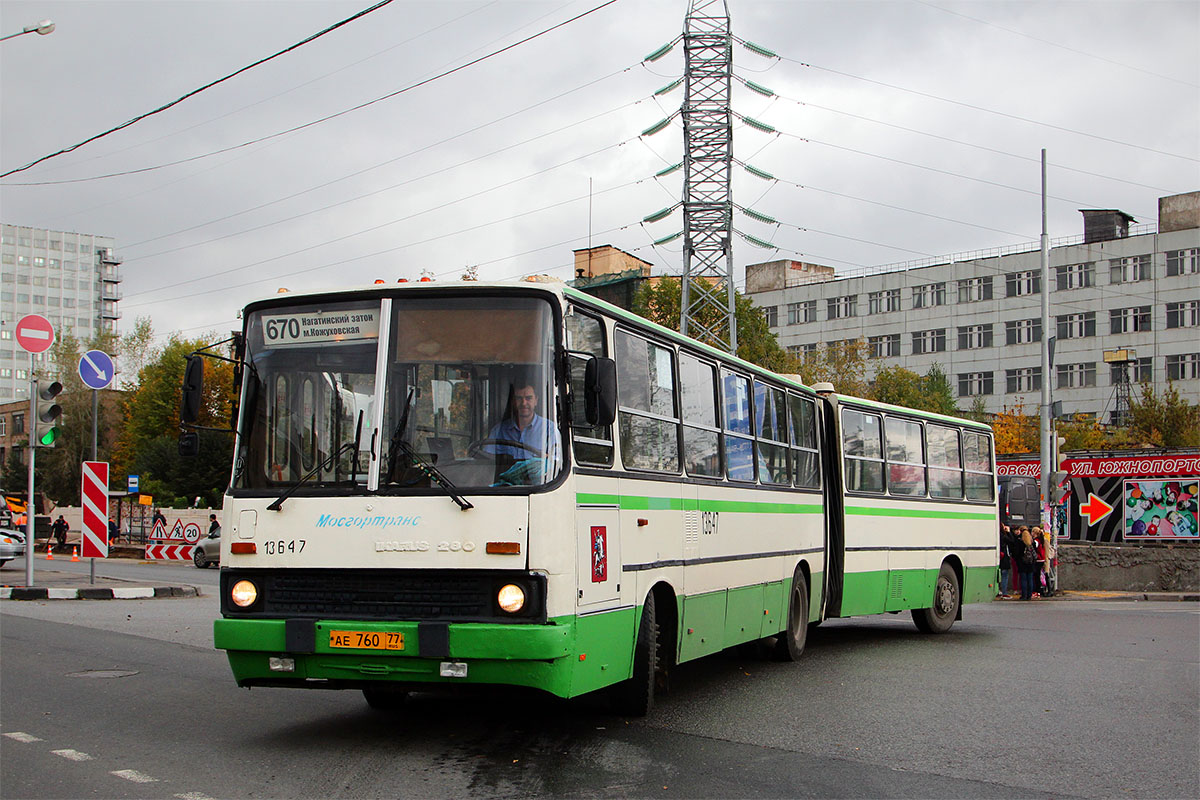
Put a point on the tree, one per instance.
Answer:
(903, 387)
(1165, 420)
(659, 301)
(148, 443)
(1016, 431)
(844, 364)
(1083, 432)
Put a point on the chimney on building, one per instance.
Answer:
(1106, 224)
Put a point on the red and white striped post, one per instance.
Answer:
(94, 499)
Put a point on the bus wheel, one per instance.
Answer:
(790, 643)
(946, 600)
(384, 699)
(635, 697)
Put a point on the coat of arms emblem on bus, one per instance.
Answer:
(599, 554)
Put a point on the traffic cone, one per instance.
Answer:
(74, 553)
(50, 550)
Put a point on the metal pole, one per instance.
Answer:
(95, 457)
(29, 514)
(1045, 417)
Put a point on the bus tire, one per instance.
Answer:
(383, 698)
(789, 645)
(635, 696)
(947, 597)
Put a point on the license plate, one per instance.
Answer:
(367, 640)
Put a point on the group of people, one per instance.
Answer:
(1030, 551)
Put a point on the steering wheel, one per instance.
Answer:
(474, 447)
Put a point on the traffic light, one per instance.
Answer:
(46, 427)
(1060, 479)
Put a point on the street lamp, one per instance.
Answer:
(40, 28)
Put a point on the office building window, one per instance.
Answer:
(1140, 370)
(1076, 326)
(884, 346)
(973, 337)
(1022, 331)
(933, 341)
(929, 295)
(1076, 376)
(1019, 284)
(843, 307)
(1183, 367)
(802, 349)
(974, 384)
(882, 302)
(1183, 262)
(798, 313)
(1024, 379)
(1183, 315)
(1076, 276)
(1129, 320)
(972, 290)
(771, 313)
(1130, 270)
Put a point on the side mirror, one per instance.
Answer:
(600, 391)
(189, 444)
(193, 390)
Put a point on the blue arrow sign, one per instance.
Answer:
(96, 369)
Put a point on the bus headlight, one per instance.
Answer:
(511, 598)
(243, 594)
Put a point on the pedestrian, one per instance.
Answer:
(1026, 556)
(112, 531)
(1051, 568)
(59, 530)
(1039, 575)
(213, 525)
(1005, 561)
(156, 519)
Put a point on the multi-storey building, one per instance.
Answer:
(72, 279)
(1124, 309)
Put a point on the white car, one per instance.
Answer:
(12, 545)
(207, 552)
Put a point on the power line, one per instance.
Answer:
(197, 91)
(352, 109)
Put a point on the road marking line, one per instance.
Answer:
(193, 796)
(73, 755)
(133, 775)
(22, 737)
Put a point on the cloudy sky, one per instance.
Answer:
(905, 129)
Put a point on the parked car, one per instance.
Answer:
(1020, 501)
(12, 545)
(207, 552)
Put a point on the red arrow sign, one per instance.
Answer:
(35, 334)
(1094, 509)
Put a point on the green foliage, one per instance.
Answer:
(1165, 420)
(148, 445)
(843, 364)
(16, 475)
(660, 301)
(903, 387)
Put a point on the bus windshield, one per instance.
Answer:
(456, 394)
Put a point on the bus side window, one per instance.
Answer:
(590, 444)
(862, 445)
(945, 462)
(906, 460)
(977, 452)
(648, 425)
(806, 469)
(739, 444)
(701, 427)
(770, 414)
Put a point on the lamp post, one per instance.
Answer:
(40, 28)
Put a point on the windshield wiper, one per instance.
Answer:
(326, 464)
(433, 473)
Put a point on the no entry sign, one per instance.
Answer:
(94, 498)
(34, 334)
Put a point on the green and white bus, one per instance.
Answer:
(519, 484)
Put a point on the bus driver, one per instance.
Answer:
(524, 426)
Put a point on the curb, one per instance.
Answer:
(96, 593)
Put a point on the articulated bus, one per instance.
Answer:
(519, 484)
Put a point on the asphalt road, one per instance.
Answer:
(1102, 696)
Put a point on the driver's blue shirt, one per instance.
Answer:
(539, 435)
